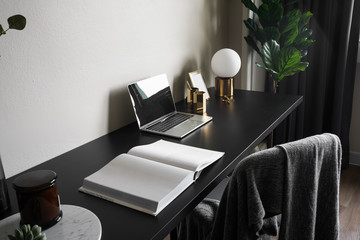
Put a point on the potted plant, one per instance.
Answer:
(26, 232)
(281, 39)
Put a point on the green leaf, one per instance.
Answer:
(36, 230)
(270, 13)
(260, 35)
(270, 54)
(272, 71)
(2, 30)
(288, 57)
(25, 228)
(11, 237)
(304, 33)
(289, 62)
(19, 234)
(267, 34)
(274, 74)
(17, 22)
(29, 236)
(270, 1)
(302, 45)
(250, 41)
(272, 33)
(287, 38)
(292, 2)
(250, 5)
(289, 27)
(290, 20)
(300, 66)
(303, 52)
(304, 19)
(251, 25)
(42, 236)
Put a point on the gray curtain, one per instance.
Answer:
(327, 85)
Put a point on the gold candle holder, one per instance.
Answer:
(190, 94)
(199, 101)
(224, 87)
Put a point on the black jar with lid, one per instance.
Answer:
(38, 198)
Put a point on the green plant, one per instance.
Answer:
(15, 22)
(28, 233)
(280, 39)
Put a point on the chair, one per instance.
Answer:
(299, 180)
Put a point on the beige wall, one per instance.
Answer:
(63, 78)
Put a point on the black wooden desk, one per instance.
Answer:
(236, 129)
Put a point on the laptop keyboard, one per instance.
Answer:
(170, 122)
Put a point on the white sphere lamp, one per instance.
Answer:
(225, 64)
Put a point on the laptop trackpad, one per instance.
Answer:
(187, 126)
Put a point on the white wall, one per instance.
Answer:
(63, 78)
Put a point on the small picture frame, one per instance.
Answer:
(197, 81)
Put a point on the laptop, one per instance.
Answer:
(155, 110)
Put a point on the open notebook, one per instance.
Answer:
(149, 177)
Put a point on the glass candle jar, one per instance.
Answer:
(38, 198)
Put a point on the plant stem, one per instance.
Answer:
(274, 91)
(4, 32)
(275, 85)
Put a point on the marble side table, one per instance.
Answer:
(76, 223)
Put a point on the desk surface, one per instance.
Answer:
(236, 129)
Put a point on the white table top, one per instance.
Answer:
(76, 223)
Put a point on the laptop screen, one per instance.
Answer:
(151, 98)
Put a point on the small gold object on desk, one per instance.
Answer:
(196, 99)
(227, 99)
(38, 199)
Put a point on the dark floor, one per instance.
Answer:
(350, 203)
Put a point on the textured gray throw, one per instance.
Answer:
(300, 180)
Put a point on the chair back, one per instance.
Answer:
(299, 179)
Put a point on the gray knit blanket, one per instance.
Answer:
(299, 180)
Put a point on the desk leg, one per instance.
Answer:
(288, 127)
(270, 140)
(287, 135)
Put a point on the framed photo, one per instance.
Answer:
(198, 82)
